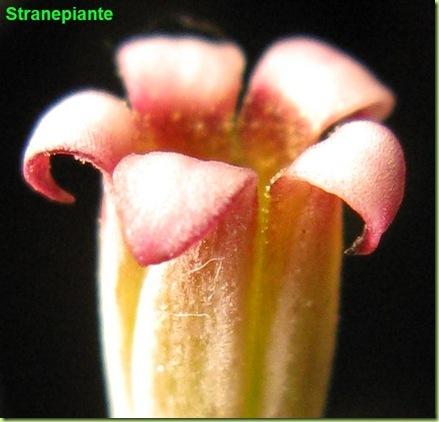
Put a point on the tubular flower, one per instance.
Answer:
(220, 232)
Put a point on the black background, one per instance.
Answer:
(50, 352)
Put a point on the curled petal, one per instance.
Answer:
(301, 87)
(168, 201)
(185, 89)
(92, 126)
(363, 164)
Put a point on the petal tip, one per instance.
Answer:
(90, 125)
(362, 245)
(363, 164)
(169, 201)
(36, 173)
(191, 70)
(325, 83)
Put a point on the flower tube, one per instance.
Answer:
(220, 232)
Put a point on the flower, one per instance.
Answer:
(220, 231)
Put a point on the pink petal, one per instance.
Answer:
(168, 201)
(186, 90)
(363, 164)
(300, 87)
(92, 126)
